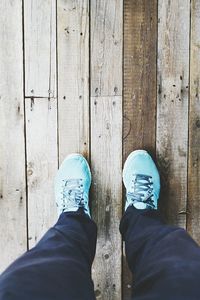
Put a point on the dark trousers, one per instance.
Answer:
(164, 260)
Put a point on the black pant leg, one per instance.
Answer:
(58, 267)
(164, 260)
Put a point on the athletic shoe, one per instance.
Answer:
(72, 184)
(141, 180)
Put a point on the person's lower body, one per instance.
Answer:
(164, 260)
(59, 267)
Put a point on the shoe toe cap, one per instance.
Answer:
(74, 166)
(140, 162)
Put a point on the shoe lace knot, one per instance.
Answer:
(142, 190)
(72, 193)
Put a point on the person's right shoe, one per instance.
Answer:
(141, 180)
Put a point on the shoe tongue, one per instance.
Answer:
(140, 205)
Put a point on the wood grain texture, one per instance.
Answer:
(73, 76)
(106, 157)
(40, 48)
(172, 116)
(193, 217)
(106, 143)
(139, 104)
(13, 237)
(106, 44)
(140, 46)
(42, 164)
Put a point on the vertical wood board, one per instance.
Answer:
(40, 48)
(172, 106)
(73, 77)
(106, 47)
(193, 216)
(13, 236)
(139, 101)
(42, 164)
(106, 159)
(106, 19)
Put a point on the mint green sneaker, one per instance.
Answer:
(72, 184)
(141, 180)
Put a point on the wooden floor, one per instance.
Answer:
(102, 78)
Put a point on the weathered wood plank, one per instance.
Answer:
(106, 143)
(106, 54)
(139, 105)
(172, 116)
(40, 48)
(42, 164)
(193, 217)
(13, 236)
(73, 76)
(140, 46)
(106, 158)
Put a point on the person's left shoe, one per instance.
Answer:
(142, 181)
(72, 184)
